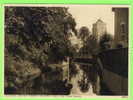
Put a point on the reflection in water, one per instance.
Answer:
(80, 81)
(76, 90)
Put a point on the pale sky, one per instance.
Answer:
(86, 15)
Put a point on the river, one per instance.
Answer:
(75, 82)
(76, 89)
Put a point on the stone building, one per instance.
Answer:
(121, 27)
(99, 28)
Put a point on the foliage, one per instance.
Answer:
(36, 36)
(105, 41)
(84, 32)
(90, 46)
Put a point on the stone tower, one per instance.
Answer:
(99, 28)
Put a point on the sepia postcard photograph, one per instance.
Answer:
(66, 50)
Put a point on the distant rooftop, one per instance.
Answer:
(99, 21)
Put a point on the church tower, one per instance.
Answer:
(99, 28)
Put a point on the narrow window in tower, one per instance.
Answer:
(122, 27)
